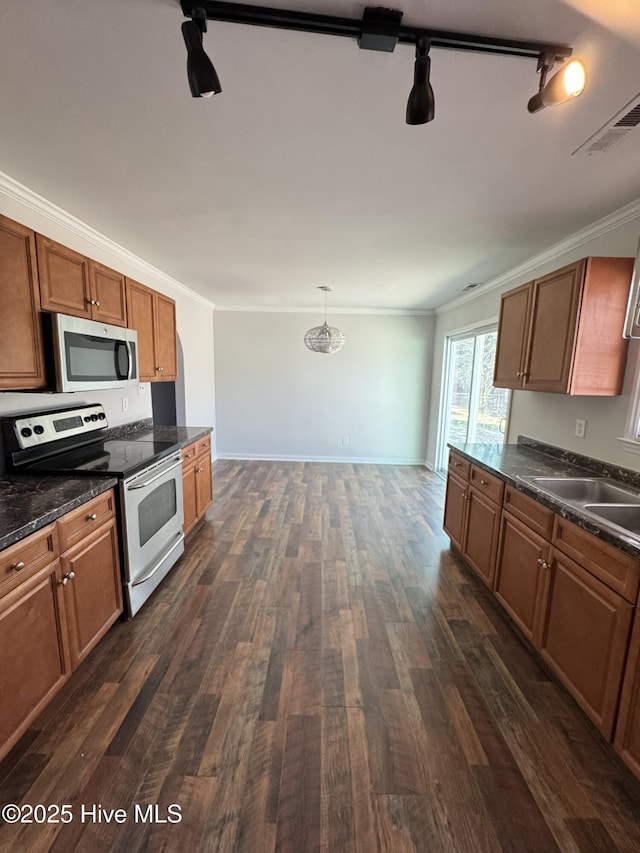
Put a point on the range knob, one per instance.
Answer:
(87, 419)
(102, 416)
(25, 432)
(38, 429)
(93, 417)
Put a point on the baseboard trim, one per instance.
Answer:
(351, 460)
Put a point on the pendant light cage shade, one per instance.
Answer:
(324, 338)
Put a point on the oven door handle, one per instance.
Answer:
(179, 540)
(157, 476)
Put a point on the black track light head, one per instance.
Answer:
(567, 83)
(203, 80)
(421, 103)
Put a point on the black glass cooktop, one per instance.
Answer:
(118, 458)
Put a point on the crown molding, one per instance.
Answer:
(269, 309)
(608, 223)
(16, 191)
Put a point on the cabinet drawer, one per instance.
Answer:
(486, 483)
(619, 571)
(78, 523)
(537, 517)
(203, 445)
(458, 465)
(189, 453)
(23, 559)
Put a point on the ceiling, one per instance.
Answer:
(302, 172)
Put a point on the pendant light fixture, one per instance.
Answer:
(324, 338)
(421, 103)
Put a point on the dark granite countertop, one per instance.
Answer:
(28, 503)
(529, 458)
(180, 435)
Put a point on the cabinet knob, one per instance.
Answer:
(457, 464)
(68, 577)
(92, 517)
(519, 374)
(543, 563)
(483, 482)
(160, 369)
(94, 302)
(199, 470)
(188, 455)
(17, 566)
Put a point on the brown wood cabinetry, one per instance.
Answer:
(54, 608)
(33, 634)
(21, 351)
(627, 737)
(154, 318)
(93, 593)
(197, 482)
(523, 558)
(71, 283)
(562, 333)
(472, 515)
(585, 637)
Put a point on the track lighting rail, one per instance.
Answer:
(263, 16)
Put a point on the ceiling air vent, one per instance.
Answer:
(470, 286)
(614, 130)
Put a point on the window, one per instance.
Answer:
(472, 409)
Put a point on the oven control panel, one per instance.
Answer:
(39, 428)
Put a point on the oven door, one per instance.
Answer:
(153, 519)
(92, 356)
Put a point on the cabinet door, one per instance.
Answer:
(165, 338)
(584, 638)
(627, 740)
(35, 659)
(204, 483)
(521, 571)
(108, 295)
(92, 589)
(454, 509)
(189, 490)
(21, 355)
(512, 334)
(140, 318)
(554, 314)
(64, 279)
(480, 541)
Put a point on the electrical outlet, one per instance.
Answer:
(142, 389)
(345, 439)
(125, 404)
(581, 426)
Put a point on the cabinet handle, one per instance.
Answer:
(92, 517)
(68, 577)
(17, 566)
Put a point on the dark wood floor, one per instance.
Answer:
(320, 674)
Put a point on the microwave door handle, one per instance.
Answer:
(129, 360)
(118, 349)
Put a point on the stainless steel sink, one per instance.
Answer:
(626, 517)
(580, 491)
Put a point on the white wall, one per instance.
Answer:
(195, 388)
(276, 399)
(551, 417)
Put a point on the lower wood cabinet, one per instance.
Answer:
(93, 592)
(35, 650)
(585, 636)
(521, 573)
(627, 737)
(481, 535)
(454, 509)
(54, 608)
(197, 481)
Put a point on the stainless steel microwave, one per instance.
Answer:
(90, 356)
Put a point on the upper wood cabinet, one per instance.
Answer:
(21, 351)
(562, 333)
(153, 316)
(72, 284)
